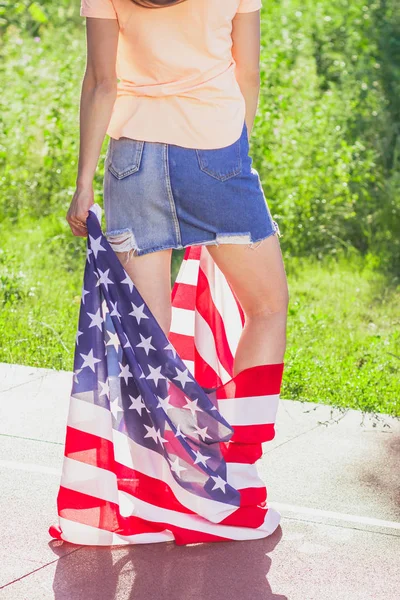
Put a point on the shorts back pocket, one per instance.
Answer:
(124, 156)
(221, 163)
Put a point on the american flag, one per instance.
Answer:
(161, 441)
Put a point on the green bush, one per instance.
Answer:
(326, 138)
(327, 133)
(30, 17)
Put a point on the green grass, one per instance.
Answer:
(39, 290)
(344, 320)
(344, 337)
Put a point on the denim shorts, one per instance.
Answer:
(159, 196)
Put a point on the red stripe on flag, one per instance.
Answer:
(194, 252)
(186, 297)
(101, 514)
(252, 434)
(261, 380)
(148, 489)
(241, 453)
(253, 517)
(253, 496)
(93, 450)
(204, 373)
(183, 344)
(186, 536)
(207, 309)
(90, 449)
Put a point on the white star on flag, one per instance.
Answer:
(114, 312)
(170, 347)
(115, 408)
(219, 483)
(88, 253)
(84, 292)
(113, 340)
(137, 404)
(160, 437)
(200, 458)
(176, 467)
(151, 432)
(125, 372)
(96, 245)
(129, 282)
(78, 333)
(76, 373)
(138, 312)
(164, 403)
(179, 432)
(89, 360)
(202, 432)
(96, 318)
(155, 374)
(192, 405)
(105, 388)
(104, 309)
(104, 278)
(145, 344)
(183, 377)
(128, 344)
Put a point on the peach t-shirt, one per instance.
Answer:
(176, 74)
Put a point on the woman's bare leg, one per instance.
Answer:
(257, 276)
(151, 274)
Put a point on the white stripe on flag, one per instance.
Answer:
(182, 321)
(79, 533)
(153, 513)
(205, 345)
(188, 272)
(88, 479)
(224, 301)
(242, 475)
(189, 364)
(90, 418)
(253, 410)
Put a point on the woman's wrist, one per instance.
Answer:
(84, 184)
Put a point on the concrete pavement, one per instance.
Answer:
(334, 478)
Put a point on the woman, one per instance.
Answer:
(177, 170)
(154, 452)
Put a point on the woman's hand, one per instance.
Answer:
(78, 211)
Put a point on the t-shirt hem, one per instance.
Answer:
(94, 13)
(224, 141)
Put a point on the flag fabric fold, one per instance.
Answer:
(161, 440)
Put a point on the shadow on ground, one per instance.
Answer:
(379, 472)
(222, 570)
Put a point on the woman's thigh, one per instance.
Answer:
(256, 274)
(151, 274)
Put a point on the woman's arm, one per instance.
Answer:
(98, 94)
(246, 53)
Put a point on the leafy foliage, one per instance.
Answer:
(326, 139)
